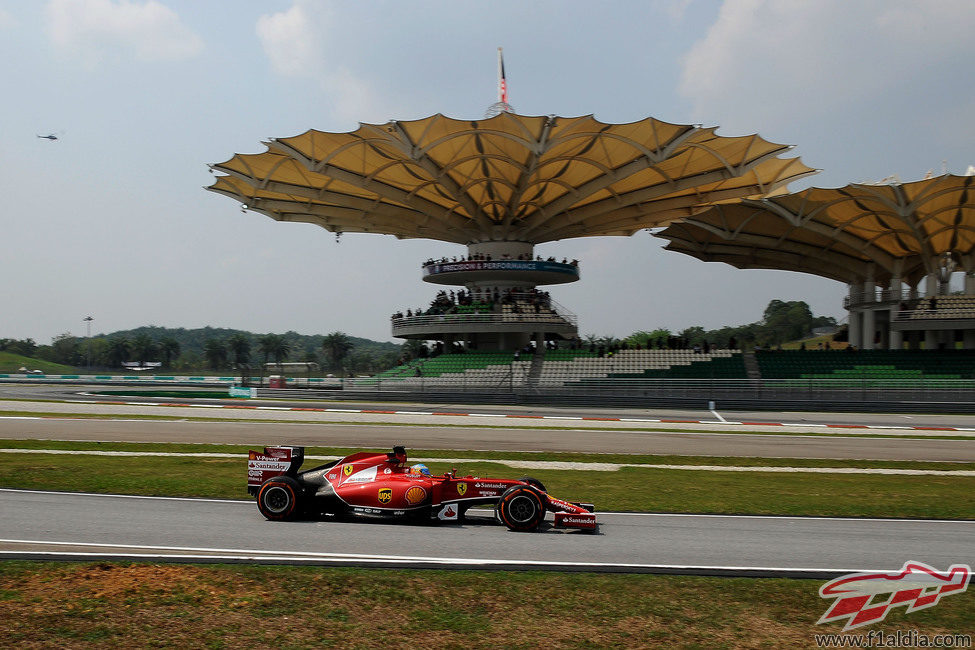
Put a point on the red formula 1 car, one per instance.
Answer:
(384, 485)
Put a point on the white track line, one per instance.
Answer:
(176, 552)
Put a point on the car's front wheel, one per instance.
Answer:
(533, 482)
(279, 498)
(520, 508)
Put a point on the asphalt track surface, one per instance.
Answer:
(21, 391)
(85, 527)
(432, 436)
(49, 525)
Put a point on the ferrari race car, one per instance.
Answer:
(383, 485)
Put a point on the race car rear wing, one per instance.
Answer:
(274, 461)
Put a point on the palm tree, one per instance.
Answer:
(337, 346)
(240, 348)
(143, 347)
(169, 348)
(216, 353)
(274, 345)
(118, 350)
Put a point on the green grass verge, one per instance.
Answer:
(630, 489)
(221, 393)
(206, 606)
(12, 363)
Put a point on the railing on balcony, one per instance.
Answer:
(886, 297)
(453, 320)
(549, 311)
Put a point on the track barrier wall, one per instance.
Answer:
(877, 395)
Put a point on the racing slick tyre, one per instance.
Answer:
(534, 482)
(520, 508)
(279, 498)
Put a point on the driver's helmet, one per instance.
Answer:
(420, 470)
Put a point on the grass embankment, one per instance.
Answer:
(12, 363)
(132, 605)
(628, 489)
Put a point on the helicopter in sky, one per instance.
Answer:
(51, 136)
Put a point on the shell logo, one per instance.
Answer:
(415, 495)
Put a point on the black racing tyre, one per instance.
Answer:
(533, 482)
(279, 498)
(520, 508)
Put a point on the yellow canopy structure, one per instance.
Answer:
(897, 231)
(507, 178)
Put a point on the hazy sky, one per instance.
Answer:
(112, 220)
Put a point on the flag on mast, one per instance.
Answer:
(502, 82)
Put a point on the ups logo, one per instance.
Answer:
(461, 489)
(385, 495)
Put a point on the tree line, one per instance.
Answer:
(208, 348)
(782, 321)
(180, 349)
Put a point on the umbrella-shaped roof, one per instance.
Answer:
(897, 230)
(507, 178)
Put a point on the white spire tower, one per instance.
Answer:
(502, 105)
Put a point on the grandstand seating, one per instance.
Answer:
(562, 366)
(566, 366)
(886, 364)
(523, 310)
(953, 306)
(469, 369)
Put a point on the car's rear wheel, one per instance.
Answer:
(279, 498)
(534, 482)
(520, 508)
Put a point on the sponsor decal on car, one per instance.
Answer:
(367, 475)
(385, 495)
(387, 471)
(332, 477)
(496, 486)
(275, 465)
(415, 495)
(462, 489)
(347, 470)
(448, 513)
(488, 493)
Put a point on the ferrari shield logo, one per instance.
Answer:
(347, 470)
(385, 495)
(461, 489)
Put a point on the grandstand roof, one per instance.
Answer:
(507, 178)
(851, 234)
